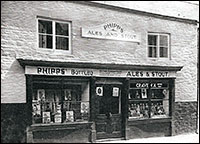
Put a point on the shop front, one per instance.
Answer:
(75, 102)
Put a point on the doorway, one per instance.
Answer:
(108, 118)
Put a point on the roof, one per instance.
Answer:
(179, 9)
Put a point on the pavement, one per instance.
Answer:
(183, 138)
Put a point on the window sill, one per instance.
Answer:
(54, 51)
(58, 126)
(158, 59)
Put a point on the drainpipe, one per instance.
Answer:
(197, 125)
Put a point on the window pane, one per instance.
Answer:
(45, 41)
(159, 94)
(76, 102)
(163, 40)
(48, 105)
(45, 27)
(152, 52)
(62, 29)
(152, 40)
(138, 94)
(163, 52)
(160, 109)
(138, 102)
(160, 102)
(62, 43)
(138, 110)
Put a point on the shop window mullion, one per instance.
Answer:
(54, 35)
(62, 99)
(149, 101)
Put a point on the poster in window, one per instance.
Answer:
(99, 91)
(46, 117)
(165, 93)
(144, 93)
(41, 95)
(57, 118)
(115, 91)
(67, 94)
(36, 109)
(84, 107)
(69, 116)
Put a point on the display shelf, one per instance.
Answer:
(156, 99)
(135, 100)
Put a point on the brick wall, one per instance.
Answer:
(13, 123)
(19, 40)
(185, 117)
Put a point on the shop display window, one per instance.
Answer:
(50, 104)
(148, 100)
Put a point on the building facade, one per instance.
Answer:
(85, 71)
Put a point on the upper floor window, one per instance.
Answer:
(158, 45)
(54, 34)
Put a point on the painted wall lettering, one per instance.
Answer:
(111, 31)
(39, 70)
(147, 74)
(50, 71)
(81, 72)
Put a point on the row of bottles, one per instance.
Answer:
(141, 110)
(157, 109)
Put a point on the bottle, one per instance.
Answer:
(144, 94)
(141, 110)
(152, 95)
(146, 110)
(153, 110)
(162, 109)
(159, 109)
(134, 111)
(129, 96)
(156, 109)
(129, 112)
(137, 95)
(138, 110)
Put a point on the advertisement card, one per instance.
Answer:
(69, 116)
(46, 117)
(115, 91)
(41, 95)
(84, 107)
(99, 91)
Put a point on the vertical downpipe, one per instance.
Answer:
(197, 123)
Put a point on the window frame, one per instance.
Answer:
(35, 80)
(158, 45)
(150, 100)
(53, 49)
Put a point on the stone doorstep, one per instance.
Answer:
(109, 139)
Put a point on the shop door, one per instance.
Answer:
(108, 120)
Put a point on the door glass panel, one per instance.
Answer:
(109, 100)
(115, 97)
